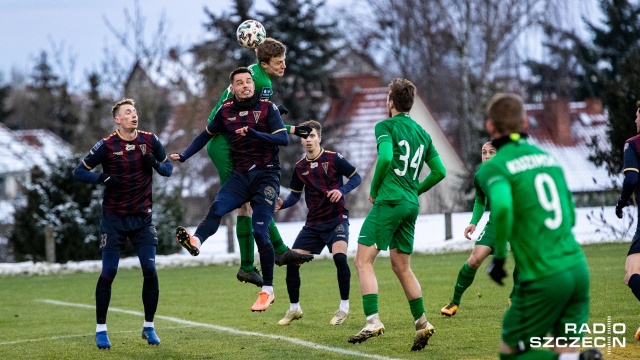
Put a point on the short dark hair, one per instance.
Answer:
(237, 71)
(402, 92)
(506, 111)
(116, 106)
(314, 125)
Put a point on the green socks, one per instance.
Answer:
(244, 232)
(276, 240)
(465, 279)
(370, 304)
(417, 308)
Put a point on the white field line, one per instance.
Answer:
(309, 344)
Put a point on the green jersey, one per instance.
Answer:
(535, 209)
(262, 83)
(412, 148)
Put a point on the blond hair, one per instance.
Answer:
(116, 106)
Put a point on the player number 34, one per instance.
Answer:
(416, 160)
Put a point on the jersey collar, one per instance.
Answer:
(513, 137)
(316, 158)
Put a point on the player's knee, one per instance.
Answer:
(474, 262)
(245, 210)
(109, 271)
(148, 269)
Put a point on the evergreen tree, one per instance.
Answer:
(570, 72)
(70, 209)
(73, 211)
(216, 58)
(617, 44)
(312, 47)
(5, 90)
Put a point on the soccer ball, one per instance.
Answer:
(250, 34)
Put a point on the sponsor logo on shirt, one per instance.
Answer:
(231, 119)
(305, 173)
(118, 153)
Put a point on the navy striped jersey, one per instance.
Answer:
(123, 159)
(247, 152)
(317, 177)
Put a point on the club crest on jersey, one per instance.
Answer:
(314, 165)
(270, 192)
(243, 113)
(143, 148)
(325, 167)
(256, 115)
(130, 147)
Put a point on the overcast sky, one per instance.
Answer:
(78, 26)
(79, 29)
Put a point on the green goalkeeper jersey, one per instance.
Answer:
(532, 208)
(412, 148)
(262, 83)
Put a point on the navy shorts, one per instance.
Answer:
(116, 230)
(260, 187)
(314, 238)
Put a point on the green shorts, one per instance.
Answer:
(487, 236)
(390, 225)
(544, 306)
(220, 153)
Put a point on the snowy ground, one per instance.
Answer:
(430, 238)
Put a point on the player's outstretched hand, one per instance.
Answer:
(469, 230)
(303, 131)
(619, 206)
(496, 271)
(175, 157)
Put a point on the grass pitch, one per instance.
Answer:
(204, 313)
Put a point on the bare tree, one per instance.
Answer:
(456, 51)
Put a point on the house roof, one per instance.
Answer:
(359, 112)
(24, 149)
(15, 154)
(44, 146)
(586, 123)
